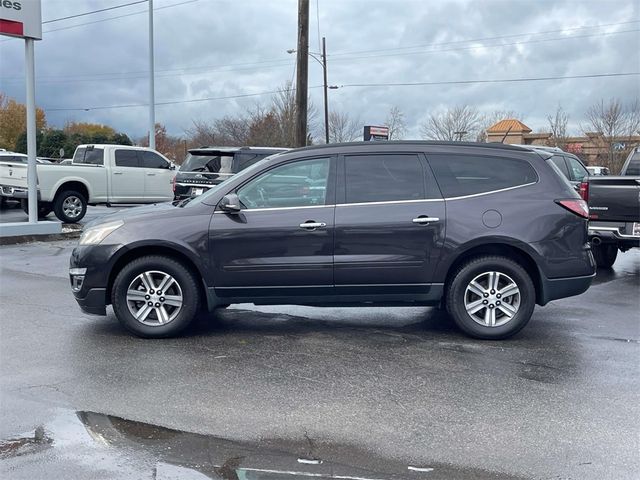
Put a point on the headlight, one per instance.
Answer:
(95, 235)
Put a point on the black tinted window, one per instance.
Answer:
(93, 156)
(460, 175)
(153, 160)
(558, 161)
(634, 165)
(383, 178)
(245, 160)
(126, 158)
(208, 163)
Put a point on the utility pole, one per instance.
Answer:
(326, 101)
(302, 73)
(152, 95)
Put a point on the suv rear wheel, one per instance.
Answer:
(491, 297)
(155, 297)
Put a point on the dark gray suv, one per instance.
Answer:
(485, 230)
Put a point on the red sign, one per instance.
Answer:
(9, 27)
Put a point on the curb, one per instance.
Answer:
(69, 232)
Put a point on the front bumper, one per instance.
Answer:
(89, 269)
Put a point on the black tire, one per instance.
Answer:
(44, 208)
(605, 254)
(476, 268)
(184, 278)
(3, 203)
(64, 212)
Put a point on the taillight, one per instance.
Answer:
(579, 207)
(583, 190)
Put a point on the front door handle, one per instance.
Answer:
(150, 174)
(423, 220)
(118, 173)
(311, 225)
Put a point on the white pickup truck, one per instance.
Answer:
(105, 174)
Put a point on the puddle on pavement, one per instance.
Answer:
(94, 445)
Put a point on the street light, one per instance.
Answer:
(323, 63)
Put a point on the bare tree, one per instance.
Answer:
(201, 134)
(457, 123)
(487, 120)
(395, 122)
(343, 128)
(614, 123)
(558, 127)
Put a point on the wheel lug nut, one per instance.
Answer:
(162, 299)
(147, 297)
(159, 292)
(484, 302)
(485, 295)
(498, 302)
(492, 291)
(150, 304)
(157, 304)
(491, 306)
(151, 292)
(498, 296)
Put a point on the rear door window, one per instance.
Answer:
(383, 178)
(461, 175)
(91, 156)
(127, 158)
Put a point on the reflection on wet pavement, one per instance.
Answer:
(108, 443)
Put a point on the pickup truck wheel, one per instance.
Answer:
(44, 208)
(605, 255)
(70, 206)
(155, 297)
(491, 297)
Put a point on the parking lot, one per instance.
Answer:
(296, 392)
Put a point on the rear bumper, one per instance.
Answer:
(15, 192)
(620, 233)
(555, 288)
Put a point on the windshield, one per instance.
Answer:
(634, 165)
(208, 163)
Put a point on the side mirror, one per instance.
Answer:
(230, 203)
(172, 166)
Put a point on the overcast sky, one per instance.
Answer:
(221, 48)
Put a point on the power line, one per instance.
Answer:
(475, 47)
(94, 11)
(501, 80)
(481, 39)
(175, 102)
(273, 63)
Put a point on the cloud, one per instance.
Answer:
(217, 48)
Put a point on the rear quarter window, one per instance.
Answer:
(91, 156)
(461, 175)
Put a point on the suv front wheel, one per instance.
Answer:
(155, 297)
(491, 297)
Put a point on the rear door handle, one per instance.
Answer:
(118, 173)
(425, 220)
(150, 174)
(311, 225)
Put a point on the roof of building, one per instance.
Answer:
(509, 125)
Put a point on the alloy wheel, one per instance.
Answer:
(72, 206)
(492, 299)
(154, 298)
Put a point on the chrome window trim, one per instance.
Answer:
(388, 202)
(269, 209)
(490, 192)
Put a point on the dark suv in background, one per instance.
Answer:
(208, 166)
(487, 230)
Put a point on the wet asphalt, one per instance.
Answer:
(296, 392)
